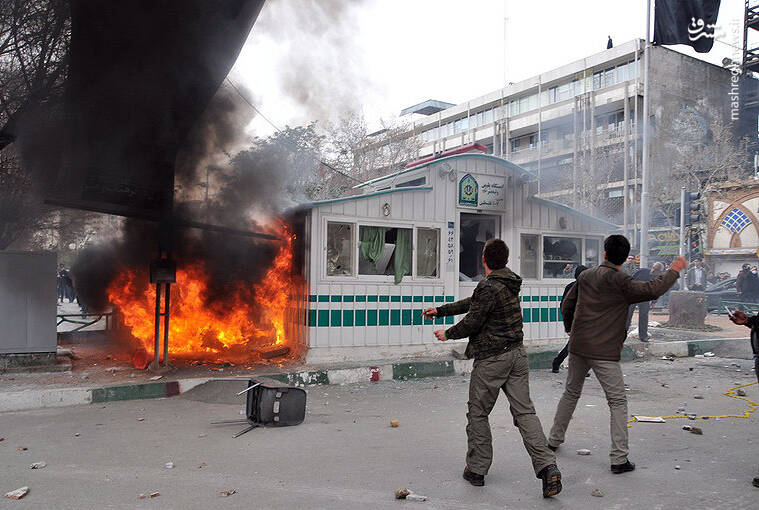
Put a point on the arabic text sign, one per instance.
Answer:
(482, 191)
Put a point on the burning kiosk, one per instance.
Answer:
(414, 239)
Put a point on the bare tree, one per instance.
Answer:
(34, 42)
(698, 150)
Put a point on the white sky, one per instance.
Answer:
(402, 52)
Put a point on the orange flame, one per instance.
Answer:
(248, 320)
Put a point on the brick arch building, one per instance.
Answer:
(733, 227)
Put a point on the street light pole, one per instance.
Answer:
(644, 199)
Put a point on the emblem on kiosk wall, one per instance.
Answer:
(468, 191)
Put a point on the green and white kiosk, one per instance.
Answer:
(414, 239)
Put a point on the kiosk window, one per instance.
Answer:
(591, 252)
(561, 255)
(475, 230)
(427, 252)
(384, 251)
(528, 267)
(339, 243)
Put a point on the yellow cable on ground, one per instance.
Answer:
(752, 406)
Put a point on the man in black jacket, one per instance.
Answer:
(739, 317)
(559, 359)
(493, 323)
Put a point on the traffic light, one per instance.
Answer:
(694, 245)
(692, 207)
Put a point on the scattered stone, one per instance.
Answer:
(394, 423)
(140, 419)
(156, 377)
(169, 465)
(22, 448)
(416, 497)
(693, 430)
(680, 409)
(228, 493)
(112, 370)
(740, 393)
(18, 493)
(202, 465)
(734, 364)
(708, 354)
(698, 397)
(402, 493)
(677, 467)
(583, 451)
(38, 465)
(77, 434)
(598, 493)
(668, 358)
(154, 494)
(690, 369)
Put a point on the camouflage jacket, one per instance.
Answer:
(493, 319)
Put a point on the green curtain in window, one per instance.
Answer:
(372, 242)
(402, 254)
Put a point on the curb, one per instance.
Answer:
(58, 397)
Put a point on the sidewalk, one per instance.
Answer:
(115, 379)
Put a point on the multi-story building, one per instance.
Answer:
(579, 127)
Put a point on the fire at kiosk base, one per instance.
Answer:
(163, 272)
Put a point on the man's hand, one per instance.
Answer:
(440, 334)
(679, 264)
(739, 317)
(429, 313)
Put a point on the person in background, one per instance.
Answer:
(59, 283)
(644, 275)
(609, 44)
(741, 282)
(600, 300)
(493, 323)
(630, 266)
(696, 277)
(751, 285)
(738, 317)
(657, 270)
(559, 359)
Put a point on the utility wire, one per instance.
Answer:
(292, 147)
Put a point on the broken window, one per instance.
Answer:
(475, 230)
(561, 255)
(528, 254)
(427, 250)
(339, 243)
(384, 251)
(591, 252)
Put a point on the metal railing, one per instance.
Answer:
(84, 320)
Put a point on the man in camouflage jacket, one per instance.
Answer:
(493, 323)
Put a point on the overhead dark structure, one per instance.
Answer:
(141, 74)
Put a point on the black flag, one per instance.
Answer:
(690, 22)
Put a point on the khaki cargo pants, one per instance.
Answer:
(509, 372)
(609, 374)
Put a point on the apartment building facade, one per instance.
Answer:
(579, 127)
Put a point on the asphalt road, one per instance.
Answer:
(346, 456)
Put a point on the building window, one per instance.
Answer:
(528, 253)
(592, 252)
(421, 181)
(609, 77)
(735, 221)
(339, 252)
(384, 251)
(488, 117)
(474, 231)
(515, 145)
(597, 80)
(561, 255)
(427, 252)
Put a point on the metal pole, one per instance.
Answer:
(156, 348)
(683, 212)
(644, 199)
(167, 287)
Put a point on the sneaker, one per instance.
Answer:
(618, 469)
(474, 478)
(551, 477)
